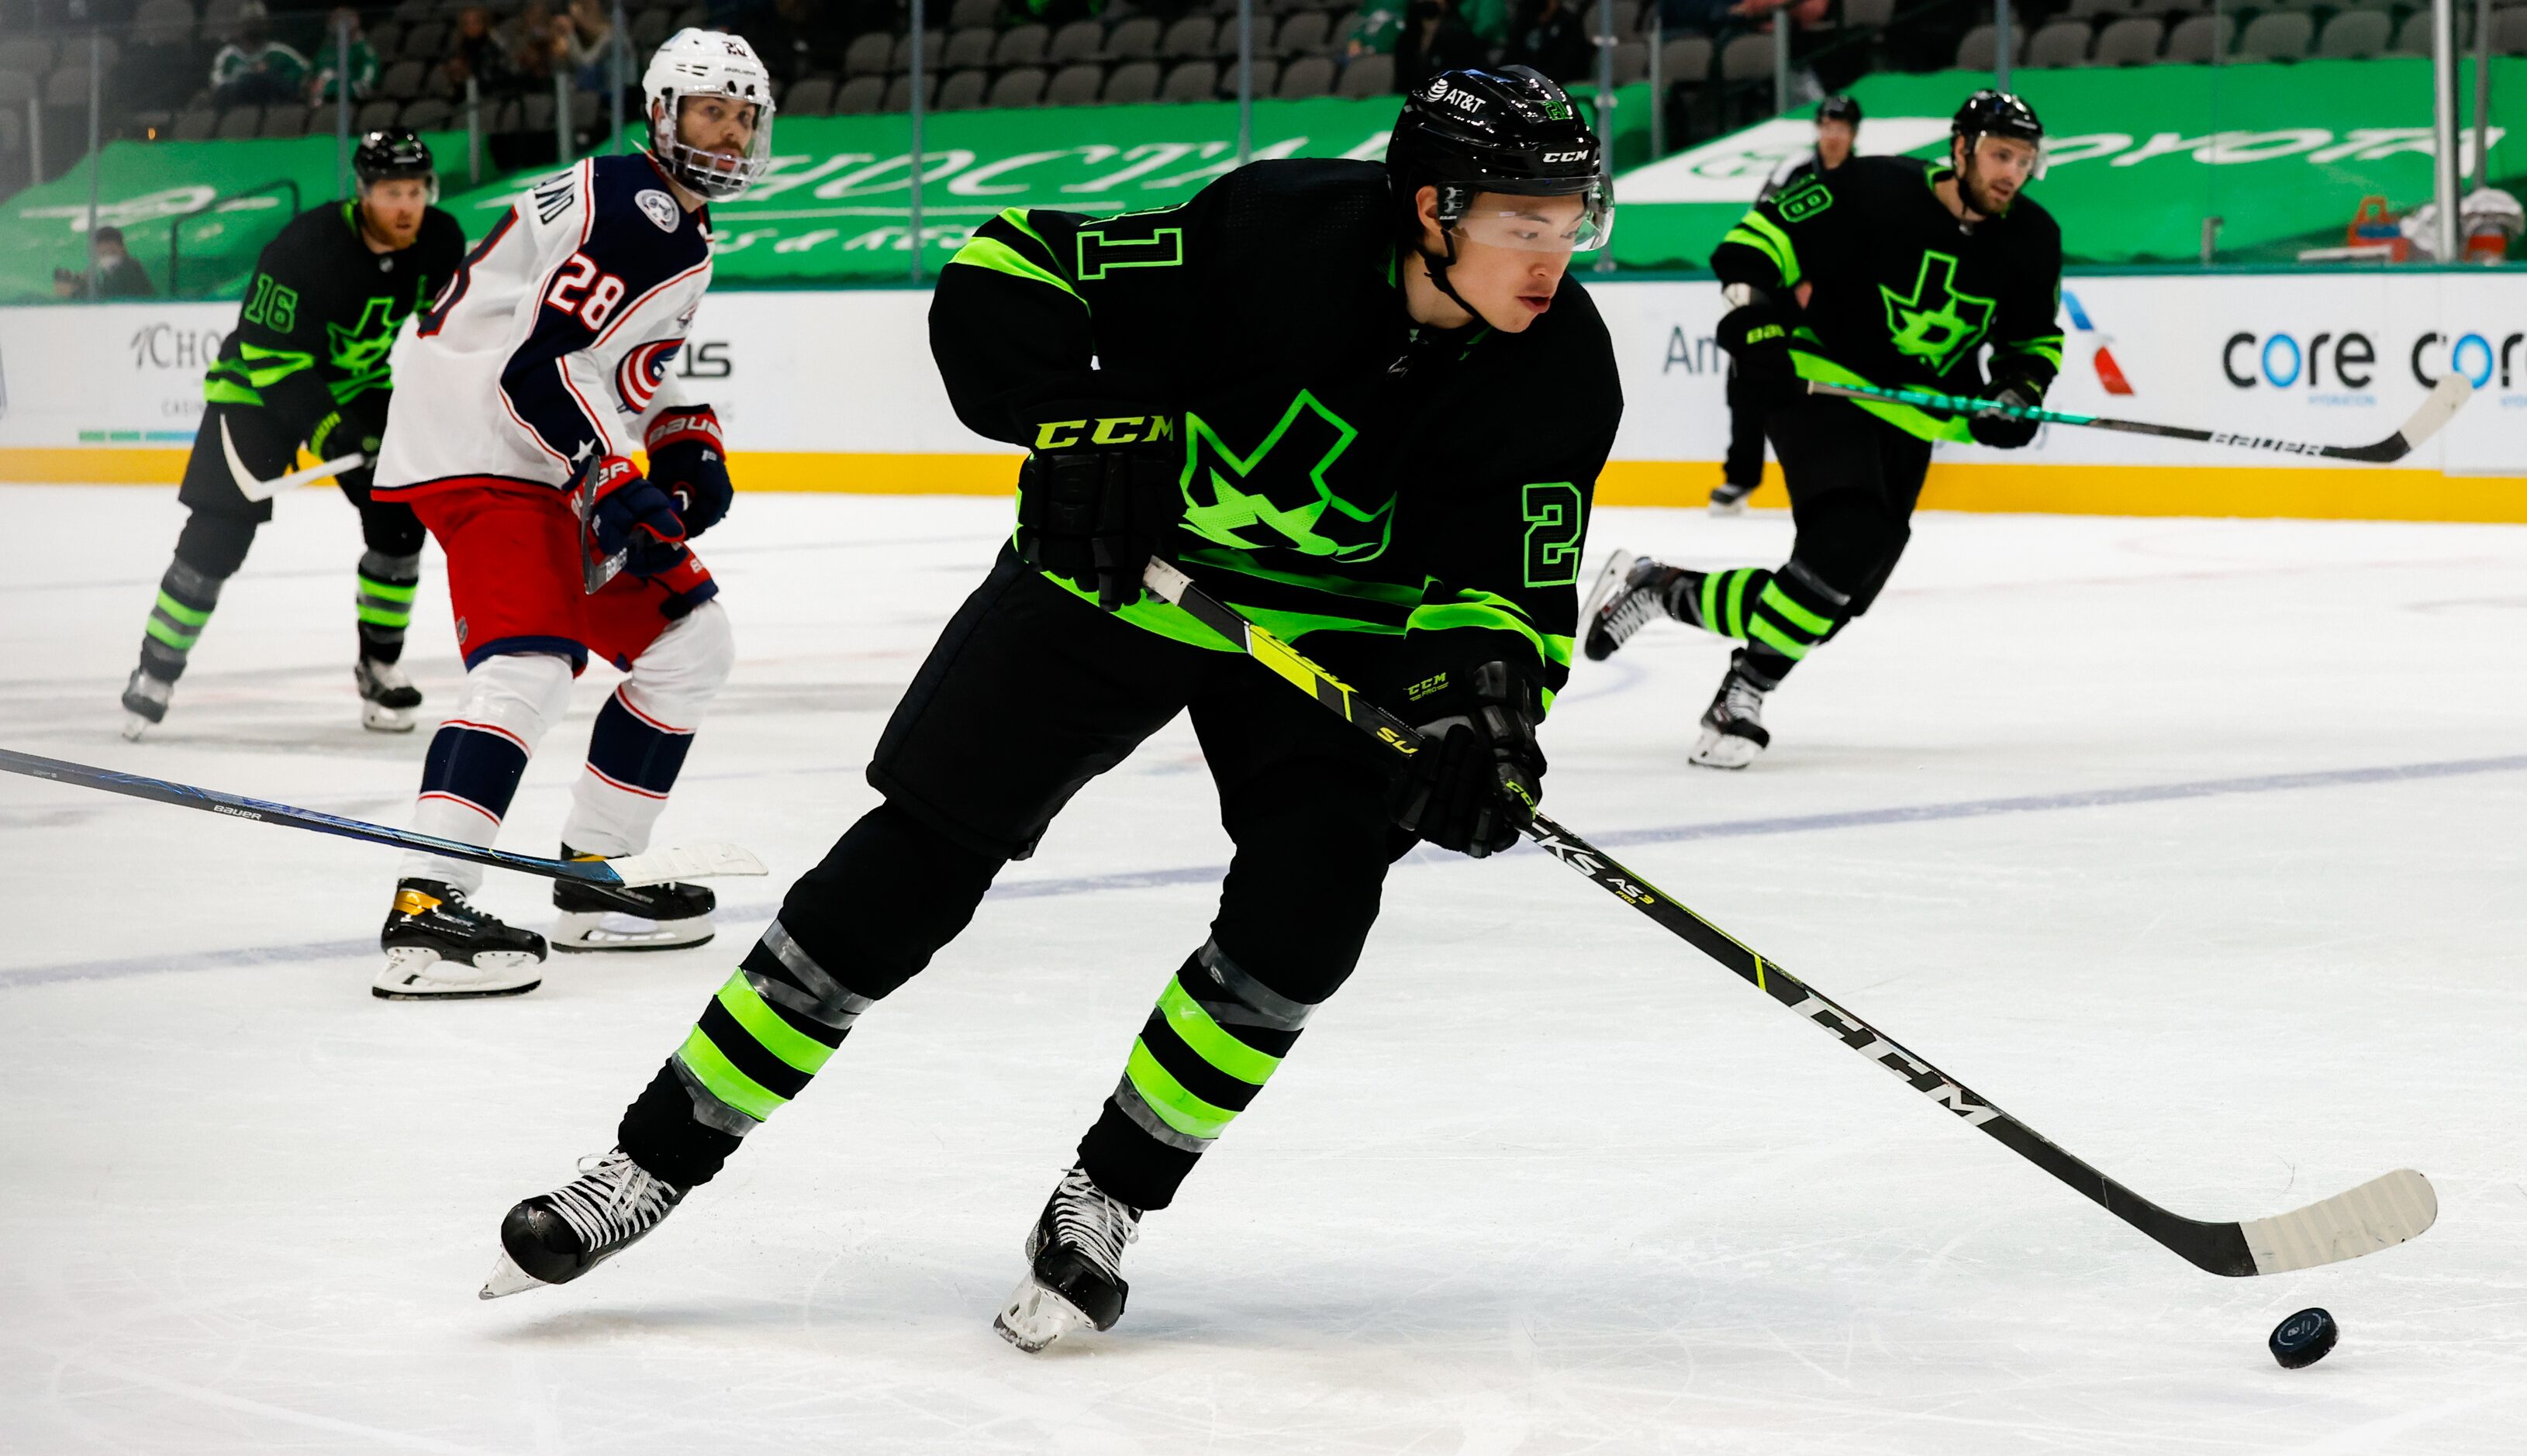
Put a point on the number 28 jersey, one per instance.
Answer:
(552, 344)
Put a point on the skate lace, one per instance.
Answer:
(1085, 1218)
(1742, 700)
(1634, 605)
(612, 1199)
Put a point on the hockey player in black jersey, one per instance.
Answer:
(1365, 403)
(307, 364)
(1891, 271)
(1741, 470)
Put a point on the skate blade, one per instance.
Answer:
(413, 974)
(135, 725)
(1736, 507)
(582, 932)
(507, 1279)
(1035, 1316)
(1719, 750)
(380, 719)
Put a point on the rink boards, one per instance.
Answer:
(835, 391)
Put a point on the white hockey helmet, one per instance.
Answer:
(707, 63)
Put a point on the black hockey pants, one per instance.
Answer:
(221, 529)
(1029, 694)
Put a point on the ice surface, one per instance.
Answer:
(2196, 843)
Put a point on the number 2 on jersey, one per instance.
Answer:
(1555, 521)
(580, 288)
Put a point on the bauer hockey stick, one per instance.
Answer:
(2446, 398)
(649, 867)
(254, 489)
(2381, 1213)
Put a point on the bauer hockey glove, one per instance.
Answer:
(1756, 335)
(1099, 496)
(2004, 431)
(1474, 783)
(633, 515)
(689, 459)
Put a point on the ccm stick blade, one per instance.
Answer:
(253, 489)
(2446, 398)
(2374, 1216)
(648, 868)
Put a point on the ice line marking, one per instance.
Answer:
(1204, 875)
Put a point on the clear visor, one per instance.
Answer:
(1580, 222)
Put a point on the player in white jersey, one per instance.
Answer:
(541, 367)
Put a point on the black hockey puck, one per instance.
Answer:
(2303, 1340)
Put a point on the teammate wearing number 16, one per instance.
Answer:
(1364, 403)
(1890, 271)
(540, 369)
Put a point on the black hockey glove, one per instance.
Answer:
(1099, 496)
(1756, 334)
(1476, 783)
(634, 516)
(2004, 431)
(689, 459)
(352, 429)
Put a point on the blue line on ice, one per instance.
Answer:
(1203, 874)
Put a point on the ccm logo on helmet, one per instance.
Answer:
(1553, 157)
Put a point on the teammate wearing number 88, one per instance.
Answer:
(1363, 402)
(540, 368)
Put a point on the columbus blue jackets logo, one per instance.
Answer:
(661, 208)
(638, 376)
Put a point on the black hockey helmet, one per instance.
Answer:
(1840, 108)
(1509, 130)
(1990, 113)
(396, 151)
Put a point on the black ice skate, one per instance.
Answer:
(144, 703)
(388, 696)
(1074, 1265)
(1729, 498)
(630, 917)
(1629, 591)
(553, 1238)
(440, 947)
(1732, 730)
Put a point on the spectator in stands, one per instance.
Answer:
(1434, 39)
(537, 44)
(475, 52)
(587, 42)
(360, 66)
(255, 69)
(1489, 20)
(1552, 35)
(119, 275)
(1374, 30)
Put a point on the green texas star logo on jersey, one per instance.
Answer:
(1935, 322)
(361, 349)
(1277, 496)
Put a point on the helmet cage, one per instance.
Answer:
(694, 64)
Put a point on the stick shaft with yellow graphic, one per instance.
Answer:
(2377, 1215)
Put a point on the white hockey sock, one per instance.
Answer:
(642, 733)
(477, 755)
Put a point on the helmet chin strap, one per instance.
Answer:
(1436, 265)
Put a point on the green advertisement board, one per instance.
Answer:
(204, 207)
(2280, 154)
(836, 207)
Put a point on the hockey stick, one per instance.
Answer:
(649, 867)
(2382, 1212)
(253, 489)
(2444, 401)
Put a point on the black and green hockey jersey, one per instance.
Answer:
(321, 312)
(1902, 293)
(1401, 502)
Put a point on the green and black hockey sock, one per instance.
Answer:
(385, 602)
(1216, 1037)
(760, 1042)
(1793, 612)
(185, 600)
(1717, 600)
